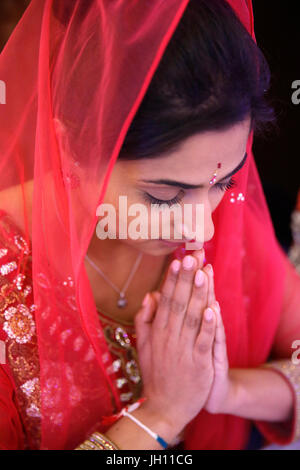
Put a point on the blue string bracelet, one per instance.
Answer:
(134, 406)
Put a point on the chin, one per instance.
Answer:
(161, 251)
(156, 248)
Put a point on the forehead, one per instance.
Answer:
(197, 157)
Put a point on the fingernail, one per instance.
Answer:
(176, 265)
(188, 262)
(200, 254)
(146, 300)
(210, 268)
(199, 278)
(218, 305)
(208, 314)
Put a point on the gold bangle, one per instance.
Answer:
(292, 373)
(89, 445)
(97, 441)
(104, 441)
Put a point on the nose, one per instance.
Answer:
(198, 224)
(209, 228)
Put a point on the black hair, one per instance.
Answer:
(212, 75)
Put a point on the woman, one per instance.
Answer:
(141, 84)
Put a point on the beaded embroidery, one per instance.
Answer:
(19, 324)
(122, 341)
(17, 321)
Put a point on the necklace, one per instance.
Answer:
(122, 322)
(122, 301)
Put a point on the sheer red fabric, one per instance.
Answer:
(75, 74)
(11, 432)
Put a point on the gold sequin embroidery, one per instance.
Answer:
(121, 346)
(17, 322)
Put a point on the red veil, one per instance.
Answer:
(74, 75)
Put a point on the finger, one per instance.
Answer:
(220, 349)
(203, 348)
(198, 303)
(199, 255)
(166, 294)
(150, 304)
(181, 296)
(143, 320)
(211, 298)
(156, 297)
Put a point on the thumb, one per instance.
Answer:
(148, 308)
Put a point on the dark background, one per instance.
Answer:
(277, 29)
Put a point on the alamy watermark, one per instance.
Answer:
(138, 228)
(296, 94)
(2, 92)
(295, 358)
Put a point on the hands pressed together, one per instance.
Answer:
(181, 344)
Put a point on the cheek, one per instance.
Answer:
(126, 203)
(215, 197)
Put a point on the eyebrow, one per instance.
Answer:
(194, 186)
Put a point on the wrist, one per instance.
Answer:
(161, 423)
(230, 403)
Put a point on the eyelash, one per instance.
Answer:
(160, 202)
(226, 186)
(177, 199)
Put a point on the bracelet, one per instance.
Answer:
(126, 412)
(97, 441)
(292, 373)
(109, 420)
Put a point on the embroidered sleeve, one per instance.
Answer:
(17, 326)
(288, 432)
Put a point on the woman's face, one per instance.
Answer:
(182, 177)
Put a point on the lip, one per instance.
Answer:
(169, 243)
(194, 245)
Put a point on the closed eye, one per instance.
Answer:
(159, 202)
(226, 186)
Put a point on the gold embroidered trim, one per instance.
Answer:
(120, 345)
(17, 321)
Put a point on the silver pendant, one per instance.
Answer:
(122, 302)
